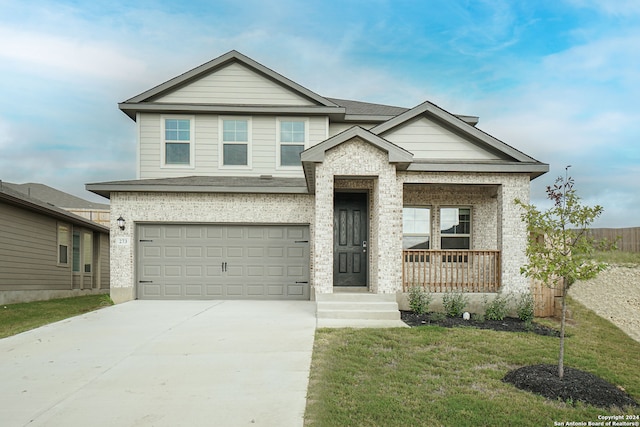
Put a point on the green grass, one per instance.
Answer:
(16, 318)
(618, 257)
(432, 376)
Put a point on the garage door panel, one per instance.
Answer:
(214, 290)
(152, 252)
(275, 252)
(215, 252)
(194, 232)
(193, 252)
(235, 252)
(173, 270)
(193, 290)
(223, 261)
(173, 232)
(295, 290)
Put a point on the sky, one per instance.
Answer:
(556, 79)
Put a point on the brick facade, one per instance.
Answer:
(352, 165)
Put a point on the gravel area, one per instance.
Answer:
(614, 295)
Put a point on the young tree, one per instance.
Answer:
(559, 248)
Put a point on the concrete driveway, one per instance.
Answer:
(162, 363)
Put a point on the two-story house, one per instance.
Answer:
(252, 186)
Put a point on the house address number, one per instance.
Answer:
(122, 241)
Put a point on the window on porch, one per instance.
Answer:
(452, 267)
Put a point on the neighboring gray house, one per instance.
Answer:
(96, 212)
(47, 252)
(252, 186)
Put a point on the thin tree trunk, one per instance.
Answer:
(562, 323)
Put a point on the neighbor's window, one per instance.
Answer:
(63, 244)
(235, 142)
(177, 141)
(455, 228)
(416, 227)
(87, 251)
(292, 141)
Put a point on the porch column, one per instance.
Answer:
(512, 232)
(323, 239)
(387, 222)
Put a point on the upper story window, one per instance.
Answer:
(416, 227)
(178, 141)
(236, 138)
(455, 228)
(292, 141)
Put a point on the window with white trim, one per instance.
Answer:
(455, 228)
(236, 138)
(178, 141)
(292, 140)
(416, 227)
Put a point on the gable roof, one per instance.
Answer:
(145, 100)
(398, 155)
(455, 124)
(19, 199)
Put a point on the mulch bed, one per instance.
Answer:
(509, 324)
(576, 386)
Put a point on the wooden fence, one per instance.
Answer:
(626, 239)
(545, 299)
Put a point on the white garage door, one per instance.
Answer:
(223, 261)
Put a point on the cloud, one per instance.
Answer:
(65, 56)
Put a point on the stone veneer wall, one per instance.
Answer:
(194, 208)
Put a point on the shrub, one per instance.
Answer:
(477, 317)
(496, 309)
(454, 303)
(419, 299)
(524, 307)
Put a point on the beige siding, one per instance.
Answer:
(207, 147)
(29, 252)
(427, 140)
(149, 128)
(234, 84)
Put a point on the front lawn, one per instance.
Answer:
(432, 376)
(16, 318)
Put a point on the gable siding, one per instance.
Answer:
(428, 140)
(29, 252)
(234, 84)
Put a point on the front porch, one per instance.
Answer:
(473, 271)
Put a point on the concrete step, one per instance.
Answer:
(359, 314)
(358, 323)
(357, 310)
(355, 305)
(358, 297)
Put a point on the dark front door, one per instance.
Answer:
(350, 239)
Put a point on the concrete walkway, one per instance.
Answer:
(162, 363)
